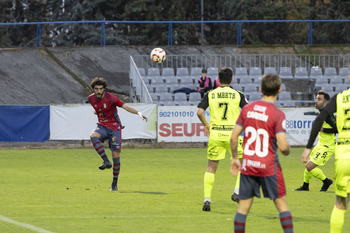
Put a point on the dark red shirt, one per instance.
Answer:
(106, 110)
(261, 122)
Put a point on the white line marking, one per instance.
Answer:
(25, 225)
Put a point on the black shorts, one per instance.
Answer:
(272, 186)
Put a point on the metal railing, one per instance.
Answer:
(238, 23)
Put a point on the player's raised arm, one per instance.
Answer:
(133, 110)
(282, 143)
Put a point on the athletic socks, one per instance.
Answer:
(337, 220)
(239, 223)
(286, 220)
(116, 168)
(307, 176)
(209, 179)
(318, 173)
(97, 144)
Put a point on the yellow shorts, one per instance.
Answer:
(217, 149)
(342, 177)
(320, 154)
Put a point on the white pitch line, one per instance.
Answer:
(25, 225)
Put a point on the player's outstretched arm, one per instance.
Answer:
(282, 143)
(133, 110)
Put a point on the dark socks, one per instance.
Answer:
(239, 223)
(286, 220)
(97, 144)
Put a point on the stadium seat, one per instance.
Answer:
(185, 80)
(153, 71)
(213, 72)
(151, 88)
(147, 80)
(154, 97)
(196, 71)
(344, 71)
(283, 87)
(340, 87)
(168, 72)
(182, 71)
(249, 88)
(245, 80)
(336, 80)
(161, 89)
(330, 71)
(285, 72)
(254, 96)
(315, 71)
(171, 80)
(194, 97)
(300, 71)
(142, 71)
(237, 87)
(284, 96)
(180, 99)
(321, 80)
(327, 88)
(157, 80)
(269, 69)
(287, 103)
(255, 71)
(165, 99)
(174, 87)
(241, 71)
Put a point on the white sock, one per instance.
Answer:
(207, 199)
(237, 191)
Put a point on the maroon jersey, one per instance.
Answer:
(106, 110)
(261, 121)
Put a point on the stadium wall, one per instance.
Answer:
(166, 123)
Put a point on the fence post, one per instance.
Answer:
(38, 36)
(103, 35)
(309, 39)
(239, 34)
(170, 34)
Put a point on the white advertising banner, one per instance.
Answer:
(181, 124)
(76, 122)
(298, 124)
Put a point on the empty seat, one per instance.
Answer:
(180, 98)
(300, 72)
(327, 88)
(171, 80)
(196, 71)
(161, 89)
(212, 72)
(321, 80)
(249, 88)
(330, 71)
(283, 87)
(285, 71)
(254, 96)
(157, 80)
(241, 71)
(147, 80)
(269, 69)
(151, 88)
(340, 87)
(153, 71)
(316, 71)
(194, 97)
(287, 103)
(284, 96)
(344, 71)
(336, 80)
(185, 80)
(245, 80)
(154, 97)
(255, 71)
(165, 99)
(142, 71)
(182, 71)
(238, 87)
(168, 72)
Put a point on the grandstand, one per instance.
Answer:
(302, 75)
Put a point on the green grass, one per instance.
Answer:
(160, 190)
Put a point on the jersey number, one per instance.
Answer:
(225, 110)
(261, 139)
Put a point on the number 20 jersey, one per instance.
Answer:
(261, 122)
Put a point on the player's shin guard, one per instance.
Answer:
(239, 223)
(97, 144)
(337, 220)
(209, 179)
(116, 168)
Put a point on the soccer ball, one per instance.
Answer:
(158, 55)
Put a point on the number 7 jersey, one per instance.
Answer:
(261, 121)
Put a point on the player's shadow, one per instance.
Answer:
(143, 192)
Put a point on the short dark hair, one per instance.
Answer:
(325, 94)
(204, 70)
(225, 75)
(98, 81)
(270, 84)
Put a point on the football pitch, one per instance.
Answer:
(160, 190)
